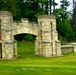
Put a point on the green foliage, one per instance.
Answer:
(23, 37)
(10, 5)
(63, 23)
(74, 36)
(64, 5)
(64, 29)
(31, 9)
(29, 37)
(25, 8)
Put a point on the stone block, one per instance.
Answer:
(74, 46)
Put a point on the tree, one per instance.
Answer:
(64, 29)
(54, 5)
(10, 5)
(64, 5)
(32, 8)
(74, 15)
(63, 23)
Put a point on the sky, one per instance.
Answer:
(70, 1)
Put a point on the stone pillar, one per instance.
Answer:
(47, 45)
(53, 42)
(53, 35)
(15, 48)
(56, 35)
(47, 49)
(7, 50)
(7, 36)
(58, 47)
(45, 41)
(53, 48)
(37, 52)
(40, 43)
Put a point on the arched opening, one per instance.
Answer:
(25, 44)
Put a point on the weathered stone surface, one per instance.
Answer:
(74, 46)
(48, 36)
(45, 30)
(58, 47)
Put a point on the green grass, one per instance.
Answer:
(29, 64)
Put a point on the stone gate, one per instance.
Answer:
(46, 43)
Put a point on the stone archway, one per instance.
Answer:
(46, 43)
(23, 45)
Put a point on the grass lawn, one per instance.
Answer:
(29, 64)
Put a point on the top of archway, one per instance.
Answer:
(5, 13)
(46, 16)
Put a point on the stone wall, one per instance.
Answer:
(25, 27)
(68, 48)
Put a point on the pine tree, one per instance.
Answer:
(74, 15)
(64, 5)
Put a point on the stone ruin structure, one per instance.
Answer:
(46, 44)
